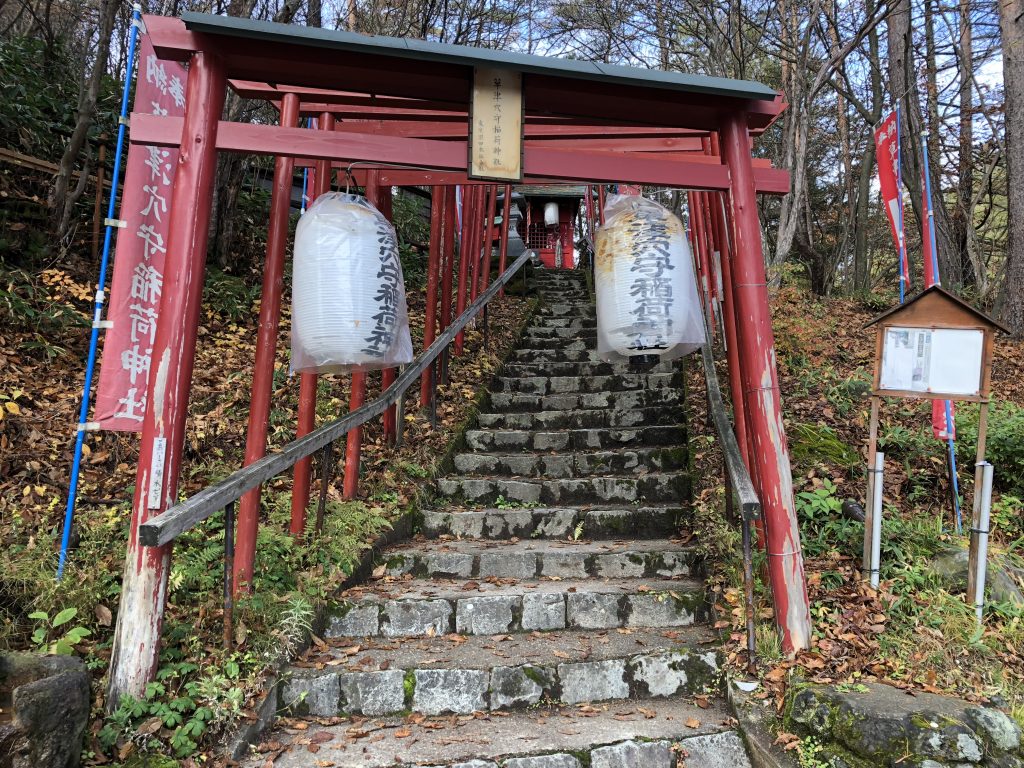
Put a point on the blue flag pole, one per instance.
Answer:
(97, 316)
(950, 441)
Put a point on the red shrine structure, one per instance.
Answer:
(553, 237)
(396, 112)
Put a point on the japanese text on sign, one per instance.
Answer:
(138, 278)
(496, 125)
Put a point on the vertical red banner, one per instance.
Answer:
(887, 144)
(139, 255)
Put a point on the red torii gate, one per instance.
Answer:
(406, 104)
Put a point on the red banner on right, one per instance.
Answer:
(887, 145)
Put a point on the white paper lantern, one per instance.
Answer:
(551, 214)
(348, 295)
(647, 300)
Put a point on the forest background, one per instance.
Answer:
(952, 66)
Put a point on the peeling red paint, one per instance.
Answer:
(758, 374)
(137, 635)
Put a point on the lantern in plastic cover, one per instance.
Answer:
(551, 214)
(647, 300)
(348, 295)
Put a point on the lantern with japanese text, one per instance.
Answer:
(647, 301)
(348, 295)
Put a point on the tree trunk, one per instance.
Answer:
(1011, 25)
(903, 85)
(862, 211)
(963, 232)
(62, 199)
(314, 13)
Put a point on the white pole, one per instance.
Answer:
(876, 520)
(982, 533)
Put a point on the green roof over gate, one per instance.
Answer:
(465, 55)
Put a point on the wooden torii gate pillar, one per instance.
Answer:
(763, 401)
(144, 586)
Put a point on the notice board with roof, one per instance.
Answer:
(935, 346)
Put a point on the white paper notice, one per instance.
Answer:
(942, 360)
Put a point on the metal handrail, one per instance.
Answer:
(167, 526)
(741, 484)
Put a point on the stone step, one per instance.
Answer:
(501, 606)
(461, 675)
(580, 368)
(574, 464)
(673, 734)
(534, 335)
(660, 487)
(562, 345)
(606, 522)
(550, 354)
(621, 400)
(567, 309)
(556, 385)
(564, 291)
(530, 559)
(563, 322)
(582, 419)
(511, 440)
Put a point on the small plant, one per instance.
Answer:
(808, 753)
(852, 688)
(768, 644)
(295, 623)
(63, 643)
(502, 503)
(577, 532)
(414, 470)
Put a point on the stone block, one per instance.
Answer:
(619, 565)
(518, 686)
(487, 615)
(372, 693)
(716, 750)
(49, 699)
(543, 611)
(450, 690)
(592, 610)
(402, 618)
(551, 441)
(509, 522)
(593, 681)
(316, 695)
(355, 621)
(566, 565)
(449, 564)
(556, 523)
(660, 674)
(508, 565)
(996, 729)
(632, 754)
(659, 610)
(542, 761)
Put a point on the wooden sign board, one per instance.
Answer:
(932, 362)
(936, 347)
(496, 125)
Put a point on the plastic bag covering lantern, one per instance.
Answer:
(551, 214)
(348, 295)
(647, 302)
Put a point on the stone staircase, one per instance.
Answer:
(546, 617)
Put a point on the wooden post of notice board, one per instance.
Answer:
(933, 347)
